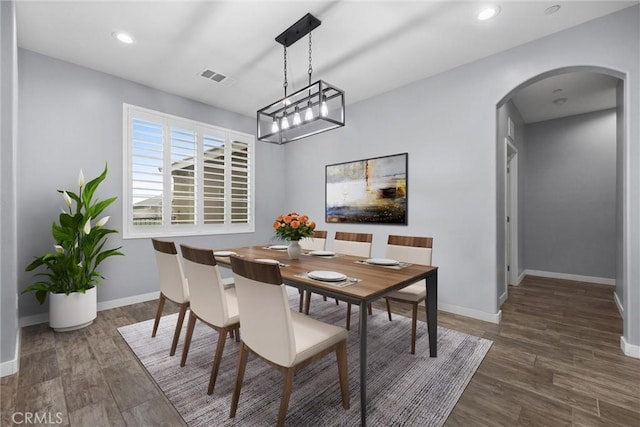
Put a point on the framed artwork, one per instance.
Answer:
(367, 191)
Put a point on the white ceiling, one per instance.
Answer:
(363, 47)
(566, 95)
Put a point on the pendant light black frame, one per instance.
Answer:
(324, 101)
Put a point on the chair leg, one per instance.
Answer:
(158, 314)
(337, 302)
(222, 338)
(343, 374)
(242, 364)
(176, 334)
(301, 300)
(187, 340)
(388, 308)
(307, 301)
(414, 325)
(286, 393)
(237, 334)
(324, 297)
(348, 315)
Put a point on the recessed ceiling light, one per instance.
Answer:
(123, 37)
(488, 13)
(552, 9)
(560, 101)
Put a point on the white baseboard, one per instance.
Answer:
(104, 305)
(121, 302)
(503, 298)
(10, 367)
(629, 349)
(469, 312)
(521, 277)
(574, 277)
(618, 304)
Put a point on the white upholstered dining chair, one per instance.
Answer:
(414, 250)
(285, 339)
(173, 286)
(211, 303)
(315, 243)
(355, 244)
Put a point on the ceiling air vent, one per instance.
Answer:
(209, 74)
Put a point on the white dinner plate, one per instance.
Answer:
(322, 253)
(224, 253)
(327, 276)
(268, 260)
(278, 247)
(382, 261)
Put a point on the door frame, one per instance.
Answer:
(511, 213)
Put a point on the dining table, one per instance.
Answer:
(365, 280)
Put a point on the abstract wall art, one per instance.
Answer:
(368, 191)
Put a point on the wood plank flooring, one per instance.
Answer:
(555, 361)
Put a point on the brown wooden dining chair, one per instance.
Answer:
(414, 250)
(211, 303)
(285, 339)
(173, 286)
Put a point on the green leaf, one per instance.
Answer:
(97, 209)
(91, 186)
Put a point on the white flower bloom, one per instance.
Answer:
(59, 249)
(103, 221)
(87, 226)
(66, 197)
(80, 179)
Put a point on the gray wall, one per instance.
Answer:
(570, 194)
(447, 124)
(8, 128)
(71, 118)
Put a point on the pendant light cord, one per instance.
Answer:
(310, 67)
(285, 72)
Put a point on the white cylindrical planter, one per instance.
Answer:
(73, 311)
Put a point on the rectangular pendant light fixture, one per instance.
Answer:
(317, 108)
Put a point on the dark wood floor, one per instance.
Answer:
(555, 361)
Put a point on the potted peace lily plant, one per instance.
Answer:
(293, 227)
(72, 272)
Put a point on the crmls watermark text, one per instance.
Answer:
(37, 418)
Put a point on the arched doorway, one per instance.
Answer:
(505, 225)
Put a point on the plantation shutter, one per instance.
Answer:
(183, 175)
(147, 142)
(214, 178)
(240, 162)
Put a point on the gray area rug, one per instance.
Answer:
(402, 389)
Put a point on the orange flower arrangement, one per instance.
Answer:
(293, 226)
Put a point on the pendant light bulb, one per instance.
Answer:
(308, 115)
(285, 122)
(296, 118)
(324, 109)
(274, 126)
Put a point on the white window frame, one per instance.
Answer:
(131, 231)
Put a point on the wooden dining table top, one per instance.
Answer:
(374, 281)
